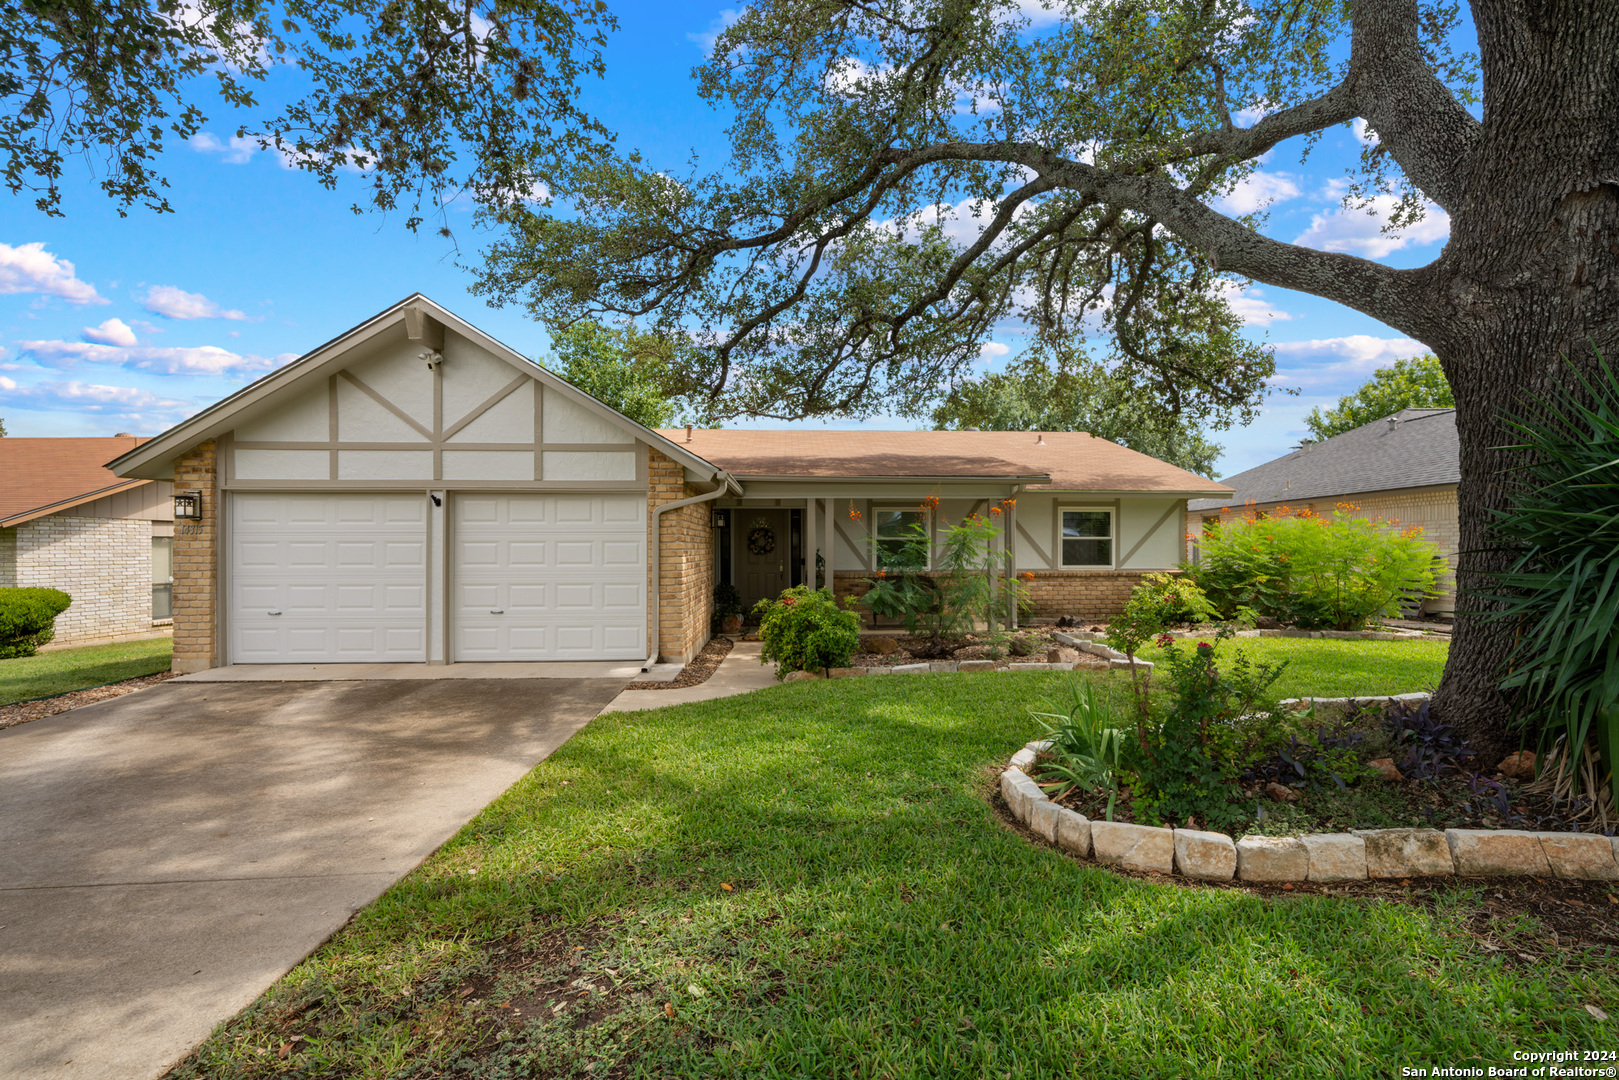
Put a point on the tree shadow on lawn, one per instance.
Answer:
(815, 884)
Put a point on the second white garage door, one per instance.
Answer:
(548, 577)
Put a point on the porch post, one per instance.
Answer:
(831, 542)
(809, 542)
(1010, 518)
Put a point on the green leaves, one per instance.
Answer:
(804, 629)
(630, 372)
(426, 99)
(1561, 595)
(1417, 383)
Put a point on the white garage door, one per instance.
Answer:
(327, 578)
(549, 577)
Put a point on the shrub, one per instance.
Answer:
(1191, 750)
(28, 619)
(804, 629)
(1316, 572)
(1559, 595)
(1160, 601)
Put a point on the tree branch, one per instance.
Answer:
(1426, 130)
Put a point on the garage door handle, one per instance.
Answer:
(275, 613)
(497, 611)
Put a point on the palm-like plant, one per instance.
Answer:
(1561, 594)
(1084, 745)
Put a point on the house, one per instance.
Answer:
(1403, 468)
(67, 522)
(415, 491)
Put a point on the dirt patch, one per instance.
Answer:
(1034, 645)
(24, 711)
(697, 671)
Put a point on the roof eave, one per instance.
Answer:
(69, 503)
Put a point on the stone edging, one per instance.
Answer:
(1376, 854)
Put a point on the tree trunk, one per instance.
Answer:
(1530, 277)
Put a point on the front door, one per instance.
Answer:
(763, 551)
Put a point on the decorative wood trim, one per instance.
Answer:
(1038, 550)
(386, 404)
(261, 444)
(438, 393)
(838, 526)
(590, 448)
(1148, 535)
(490, 402)
(331, 426)
(539, 431)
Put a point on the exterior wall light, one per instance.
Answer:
(188, 506)
(721, 519)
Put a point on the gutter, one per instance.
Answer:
(726, 483)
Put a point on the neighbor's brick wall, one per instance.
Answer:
(8, 558)
(104, 564)
(686, 554)
(1433, 509)
(196, 564)
(1083, 594)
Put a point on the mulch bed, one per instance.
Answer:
(1036, 647)
(24, 711)
(696, 672)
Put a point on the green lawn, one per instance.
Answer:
(810, 881)
(61, 670)
(1321, 667)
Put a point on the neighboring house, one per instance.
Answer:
(1403, 468)
(415, 491)
(67, 522)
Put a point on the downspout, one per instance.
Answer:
(726, 483)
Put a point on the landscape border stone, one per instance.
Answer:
(1361, 855)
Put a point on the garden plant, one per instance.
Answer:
(805, 629)
(28, 619)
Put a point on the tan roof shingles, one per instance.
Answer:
(1074, 460)
(44, 475)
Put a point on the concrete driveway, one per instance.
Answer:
(166, 856)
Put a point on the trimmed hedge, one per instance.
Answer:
(28, 619)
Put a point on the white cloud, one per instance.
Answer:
(1258, 190)
(1332, 360)
(29, 268)
(173, 303)
(1359, 232)
(1363, 134)
(993, 350)
(111, 332)
(156, 359)
(1042, 13)
(1253, 114)
(1251, 305)
(707, 39)
(238, 151)
(127, 404)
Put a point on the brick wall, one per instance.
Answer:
(105, 564)
(686, 556)
(8, 558)
(1433, 509)
(1083, 594)
(196, 564)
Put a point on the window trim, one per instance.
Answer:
(876, 508)
(1112, 537)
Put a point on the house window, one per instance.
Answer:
(1087, 537)
(901, 538)
(162, 577)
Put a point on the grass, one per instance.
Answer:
(811, 881)
(62, 670)
(1324, 667)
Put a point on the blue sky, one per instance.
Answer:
(112, 324)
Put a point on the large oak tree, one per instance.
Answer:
(821, 271)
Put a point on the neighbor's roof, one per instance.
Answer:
(1419, 450)
(44, 476)
(1055, 461)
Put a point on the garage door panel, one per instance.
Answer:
(347, 574)
(543, 560)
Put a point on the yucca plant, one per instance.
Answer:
(1085, 740)
(1561, 594)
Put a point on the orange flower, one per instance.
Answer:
(930, 503)
(1028, 575)
(995, 510)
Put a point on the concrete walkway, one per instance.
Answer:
(167, 855)
(739, 673)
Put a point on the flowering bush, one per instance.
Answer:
(804, 629)
(1315, 572)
